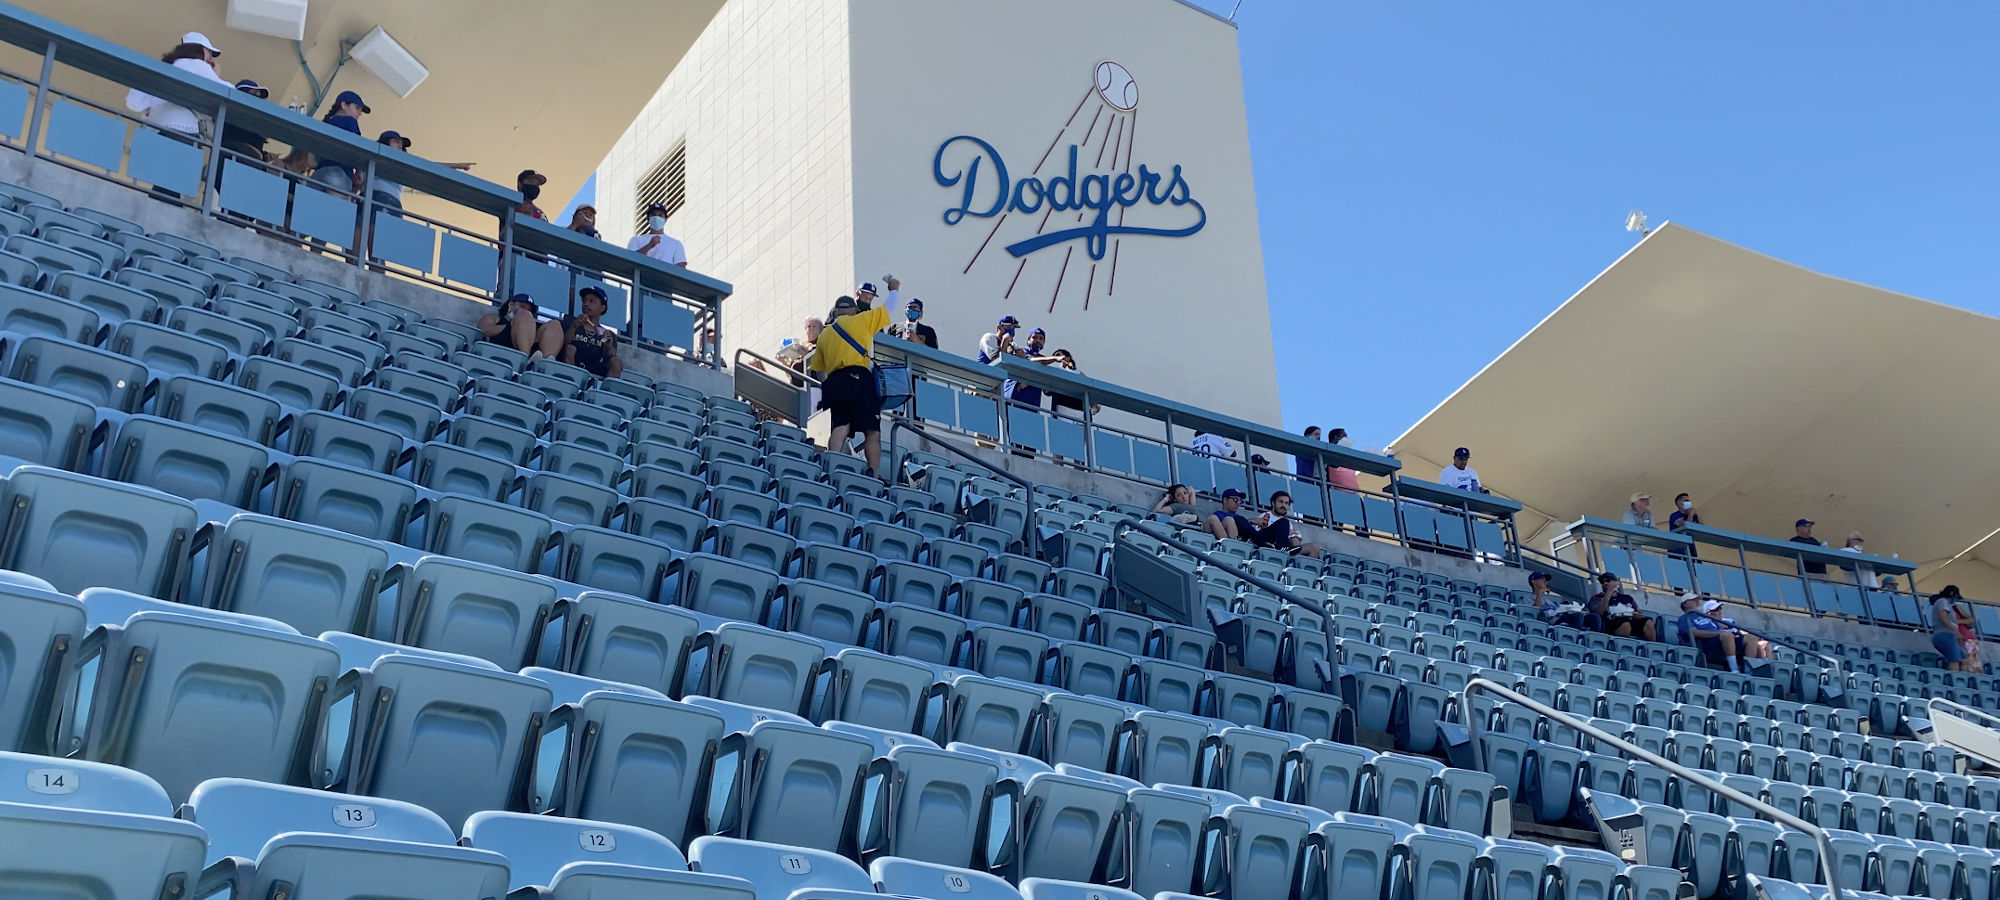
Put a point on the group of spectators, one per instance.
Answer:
(1639, 514)
(1275, 528)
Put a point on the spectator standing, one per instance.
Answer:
(655, 242)
(1639, 512)
(1620, 613)
(515, 325)
(529, 183)
(1944, 628)
(1968, 640)
(1205, 444)
(389, 193)
(1863, 575)
(242, 141)
(194, 55)
(1460, 474)
(913, 329)
(1307, 467)
(1802, 534)
(587, 343)
(346, 114)
(847, 388)
(1342, 477)
(794, 353)
(1064, 360)
(1684, 513)
(1178, 504)
(1000, 341)
(1556, 609)
(1026, 395)
(584, 222)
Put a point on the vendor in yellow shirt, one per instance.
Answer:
(847, 384)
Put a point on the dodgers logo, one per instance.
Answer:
(1078, 193)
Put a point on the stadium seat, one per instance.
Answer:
(539, 847)
(456, 606)
(75, 532)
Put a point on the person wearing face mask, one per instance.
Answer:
(915, 330)
(1684, 514)
(655, 242)
(529, 183)
(1000, 341)
(195, 56)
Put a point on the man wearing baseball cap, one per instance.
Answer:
(1227, 521)
(240, 140)
(1460, 474)
(654, 241)
(389, 193)
(847, 384)
(583, 221)
(1717, 638)
(1802, 534)
(1000, 341)
(914, 330)
(586, 341)
(529, 183)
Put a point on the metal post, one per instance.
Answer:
(42, 99)
(366, 233)
(1173, 461)
(1749, 583)
(1089, 434)
(1396, 503)
(209, 189)
(504, 284)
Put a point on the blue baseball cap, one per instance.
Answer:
(523, 298)
(351, 97)
(1231, 492)
(1538, 576)
(867, 287)
(393, 135)
(1009, 320)
(915, 303)
(249, 86)
(1802, 523)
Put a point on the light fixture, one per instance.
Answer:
(1636, 221)
(380, 54)
(277, 18)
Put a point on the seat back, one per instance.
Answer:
(76, 532)
(343, 498)
(933, 806)
(799, 785)
(1066, 823)
(622, 638)
(478, 610)
(537, 847)
(241, 815)
(186, 461)
(313, 579)
(97, 377)
(760, 667)
(645, 765)
(42, 427)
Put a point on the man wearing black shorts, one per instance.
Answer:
(586, 342)
(847, 383)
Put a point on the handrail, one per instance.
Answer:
(898, 423)
(1960, 707)
(1833, 662)
(1473, 729)
(781, 370)
(1161, 533)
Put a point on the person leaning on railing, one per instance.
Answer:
(346, 114)
(195, 56)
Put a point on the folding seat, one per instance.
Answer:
(168, 352)
(245, 328)
(1397, 786)
(1060, 619)
(187, 462)
(835, 565)
(987, 713)
(551, 387)
(1169, 686)
(614, 561)
(799, 492)
(1902, 817)
(76, 531)
(957, 557)
(660, 483)
(450, 469)
(1020, 571)
(728, 504)
(1354, 855)
(221, 408)
(760, 667)
(43, 628)
(42, 427)
(538, 848)
(53, 257)
(1923, 785)
(932, 806)
(1247, 761)
(792, 784)
(81, 829)
(401, 746)
(412, 420)
(1245, 701)
(425, 389)
(1077, 730)
(764, 548)
(891, 542)
(313, 579)
(27, 312)
(993, 540)
(646, 453)
(1315, 715)
(866, 509)
(979, 600)
(624, 639)
(715, 585)
(1122, 631)
(581, 413)
(1065, 824)
(826, 612)
(1157, 747)
(344, 367)
(255, 686)
(876, 691)
(921, 634)
(97, 377)
(1090, 670)
(112, 302)
(462, 607)
(591, 437)
(485, 531)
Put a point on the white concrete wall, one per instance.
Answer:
(762, 100)
(1021, 75)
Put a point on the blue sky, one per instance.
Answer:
(1433, 179)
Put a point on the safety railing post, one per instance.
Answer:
(42, 100)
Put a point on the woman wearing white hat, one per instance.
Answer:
(193, 55)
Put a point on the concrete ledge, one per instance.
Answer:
(78, 189)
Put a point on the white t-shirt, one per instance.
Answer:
(169, 116)
(1466, 479)
(1864, 575)
(670, 250)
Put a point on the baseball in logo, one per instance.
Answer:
(1078, 195)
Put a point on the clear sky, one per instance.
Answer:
(1434, 178)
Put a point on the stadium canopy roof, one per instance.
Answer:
(514, 84)
(1767, 391)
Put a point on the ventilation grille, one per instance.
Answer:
(666, 184)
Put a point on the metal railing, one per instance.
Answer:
(475, 245)
(1474, 727)
(1958, 707)
(898, 424)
